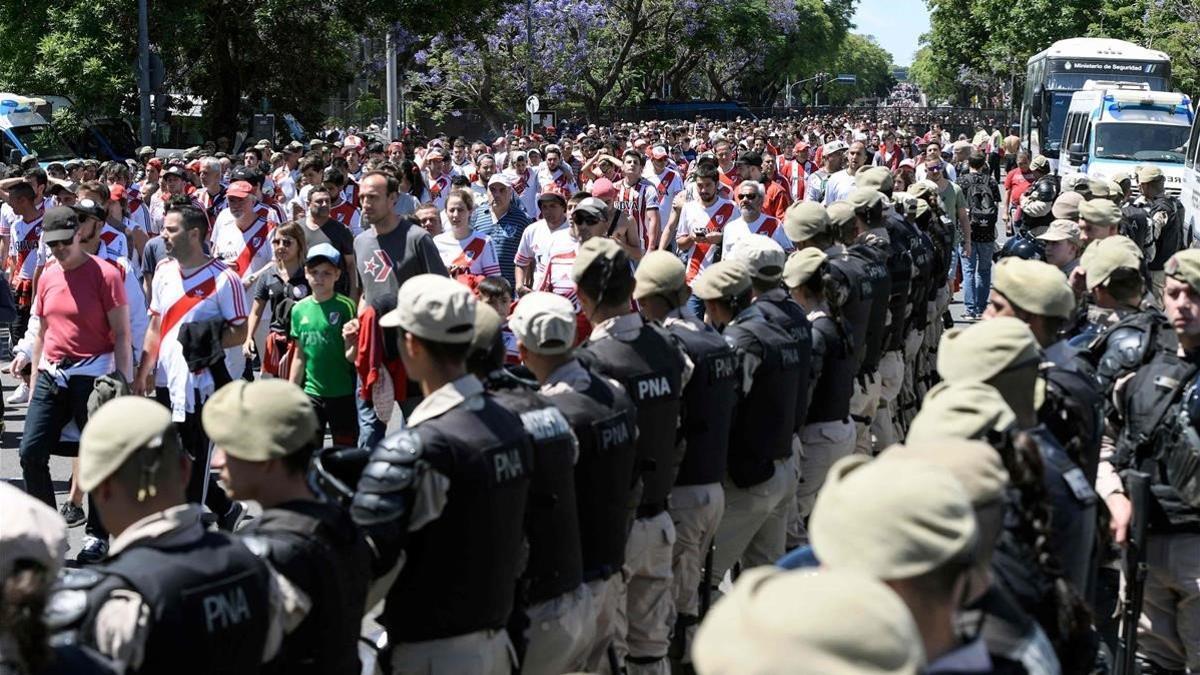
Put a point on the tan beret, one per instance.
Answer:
(1185, 266)
(805, 220)
(1034, 286)
(544, 323)
(841, 215)
(660, 273)
(876, 178)
(1149, 173)
(762, 255)
(1099, 188)
(923, 188)
(891, 520)
(596, 248)
(968, 410)
(975, 464)
(864, 198)
(1102, 258)
(1066, 206)
(724, 279)
(801, 265)
(1062, 230)
(435, 308)
(781, 622)
(30, 531)
(1039, 163)
(981, 351)
(115, 432)
(261, 420)
(1100, 212)
(487, 327)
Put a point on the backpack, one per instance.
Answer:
(981, 199)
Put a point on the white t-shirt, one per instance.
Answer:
(840, 185)
(525, 190)
(560, 258)
(535, 248)
(765, 225)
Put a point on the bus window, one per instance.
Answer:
(1194, 144)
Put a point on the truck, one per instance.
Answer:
(23, 131)
(1114, 126)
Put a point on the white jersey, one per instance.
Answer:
(135, 297)
(560, 258)
(697, 220)
(285, 186)
(558, 178)
(245, 252)
(473, 255)
(23, 253)
(668, 184)
(738, 229)
(210, 292)
(535, 248)
(525, 190)
(839, 187)
(466, 169)
(439, 191)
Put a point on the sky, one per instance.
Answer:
(895, 23)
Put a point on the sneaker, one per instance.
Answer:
(94, 550)
(20, 395)
(230, 520)
(73, 514)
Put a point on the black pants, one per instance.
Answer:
(50, 409)
(196, 445)
(338, 414)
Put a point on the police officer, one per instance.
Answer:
(1166, 222)
(604, 421)
(827, 434)
(264, 435)
(1003, 353)
(172, 597)
(698, 499)
(554, 617)
(653, 370)
(920, 251)
(762, 471)
(1158, 407)
(765, 260)
(927, 214)
(455, 481)
(1111, 273)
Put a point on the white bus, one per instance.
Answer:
(1190, 196)
(1062, 69)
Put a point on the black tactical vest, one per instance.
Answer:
(765, 418)
(921, 251)
(604, 420)
(833, 359)
(208, 603)
(849, 274)
(875, 272)
(1153, 435)
(1074, 408)
(1073, 505)
(900, 271)
(320, 550)
(708, 402)
(651, 370)
(555, 564)
(461, 569)
(1172, 238)
(1135, 224)
(779, 308)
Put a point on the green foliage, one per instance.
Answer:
(872, 64)
(1172, 26)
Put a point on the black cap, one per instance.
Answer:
(175, 171)
(247, 174)
(59, 224)
(750, 158)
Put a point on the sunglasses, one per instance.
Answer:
(61, 242)
(934, 169)
(749, 195)
(585, 220)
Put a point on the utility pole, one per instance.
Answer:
(529, 55)
(144, 72)
(390, 55)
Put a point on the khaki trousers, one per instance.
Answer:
(891, 380)
(1169, 627)
(696, 511)
(560, 630)
(863, 405)
(607, 595)
(643, 629)
(753, 529)
(821, 444)
(485, 652)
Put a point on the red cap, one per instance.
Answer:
(395, 146)
(194, 166)
(552, 192)
(116, 191)
(604, 189)
(240, 189)
(800, 146)
(154, 163)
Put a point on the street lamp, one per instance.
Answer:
(819, 77)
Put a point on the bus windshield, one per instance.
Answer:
(1076, 81)
(1141, 141)
(41, 140)
(1060, 102)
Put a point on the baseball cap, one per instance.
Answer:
(1149, 173)
(801, 265)
(1185, 266)
(1061, 230)
(434, 307)
(1039, 163)
(981, 351)
(144, 150)
(29, 531)
(604, 189)
(1100, 212)
(833, 146)
(891, 520)
(435, 152)
(59, 224)
(1034, 286)
(115, 432)
(750, 158)
(804, 220)
(324, 251)
(908, 163)
(960, 410)
(975, 464)
(762, 255)
(88, 209)
(240, 189)
(176, 171)
(660, 273)
(544, 323)
(724, 279)
(658, 152)
(781, 622)
(1102, 258)
(551, 193)
(800, 146)
(500, 178)
(591, 206)
(1066, 206)
(592, 250)
(261, 420)
(294, 147)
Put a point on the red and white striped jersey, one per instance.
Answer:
(697, 220)
(559, 178)
(636, 201)
(560, 258)
(346, 214)
(535, 248)
(244, 251)
(22, 253)
(473, 255)
(738, 229)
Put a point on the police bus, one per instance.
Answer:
(1190, 195)
(1063, 68)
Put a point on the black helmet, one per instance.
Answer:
(1023, 246)
(1045, 190)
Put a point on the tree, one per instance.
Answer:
(871, 65)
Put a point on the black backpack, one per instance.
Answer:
(981, 199)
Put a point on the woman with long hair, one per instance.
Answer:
(280, 287)
(412, 182)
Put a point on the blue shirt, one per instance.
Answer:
(504, 233)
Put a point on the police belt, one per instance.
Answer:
(650, 510)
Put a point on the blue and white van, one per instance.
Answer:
(23, 131)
